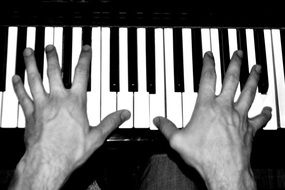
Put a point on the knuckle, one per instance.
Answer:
(17, 87)
(250, 91)
(23, 99)
(115, 121)
(233, 77)
(250, 88)
(210, 73)
(81, 69)
(255, 76)
(34, 76)
(51, 69)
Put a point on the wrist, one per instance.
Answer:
(234, 180)
(36, 171)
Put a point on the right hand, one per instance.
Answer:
(217, 141)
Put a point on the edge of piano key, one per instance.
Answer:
(266, 152)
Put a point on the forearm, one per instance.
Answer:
(239, 181)
(34, 172)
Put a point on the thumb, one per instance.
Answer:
(98, 134)
(108, 124)
(166, 126)
(261, 119)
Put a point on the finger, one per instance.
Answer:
(248, 93)
(98, 134)
(231, 79)
(208, 78)
(24, 99)
(166, 127)
(82, 70)
(34, 78)
(111, 122)
(53, 69)
(260, 120)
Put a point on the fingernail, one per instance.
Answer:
(239, 53)
(210, 54)
(258, 68)
(86, 48)
(156, 121)
(49, 48)
(16, 78)
(125, 115)
(267, 110)
(28, 52)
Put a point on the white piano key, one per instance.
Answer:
(232, 41)
(76, 47)
(206, 40)
(173, 99)
(21, 118)
(216, 52)
(269, 98)
(48, 41)
(10, 101)
(108, 98)
(250, 48)
(31, 41)
(188, 96)
(232, 48)
(280, 83)
(57, 42)
(255, 108)
(31, 37)
(156, 101)
(125, 98)
(141, 98)
(93, 97)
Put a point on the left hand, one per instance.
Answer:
(57, 128)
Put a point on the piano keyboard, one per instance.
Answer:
(149, 71)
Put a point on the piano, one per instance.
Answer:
(147, 58)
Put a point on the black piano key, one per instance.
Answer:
(150, 60)
(114, 60)
(282, 36)
(224, 50)
(39, 49)
(87, 40)
(197, 57)
(241, 39)
(3, 56)
(21, 45)
(67, 56)
(86, 35)
(178, 60)
(132, 60)
(261, 60)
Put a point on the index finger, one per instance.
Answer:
(207, 84)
